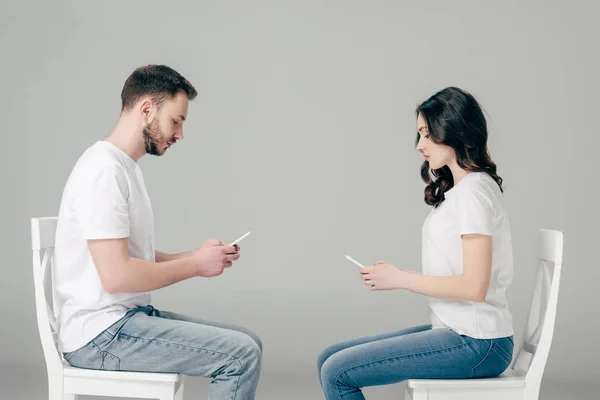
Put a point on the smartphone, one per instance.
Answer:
(240, 238)
(352, 260)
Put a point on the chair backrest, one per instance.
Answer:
(43, 232)
(531, 357)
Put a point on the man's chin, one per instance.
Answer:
(156, 152)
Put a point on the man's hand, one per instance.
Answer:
(213, 257)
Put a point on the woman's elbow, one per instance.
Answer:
(479, 295)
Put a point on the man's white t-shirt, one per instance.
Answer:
(104, 197)
(474, 205)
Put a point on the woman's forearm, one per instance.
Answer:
(457, 287)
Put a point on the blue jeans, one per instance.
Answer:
(149, 340)
(413, 353)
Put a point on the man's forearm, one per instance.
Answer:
(144, 276)
(162, 257)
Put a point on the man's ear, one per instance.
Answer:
(146, 109)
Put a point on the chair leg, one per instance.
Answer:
(179, 393)
(419, 395)
(55, 391)
(407, 395)
(167, 393)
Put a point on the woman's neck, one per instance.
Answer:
(457, 172)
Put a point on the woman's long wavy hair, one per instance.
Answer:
(455, 119)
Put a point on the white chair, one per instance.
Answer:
(64, 381)
(523, 378)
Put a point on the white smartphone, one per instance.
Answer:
(241, 238)
(352, 260)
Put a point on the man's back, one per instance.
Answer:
(105, 197)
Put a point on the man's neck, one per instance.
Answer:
(127, 138)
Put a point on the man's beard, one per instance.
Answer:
(153, 138)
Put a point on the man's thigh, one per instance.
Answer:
(148, 343)
(217, 324)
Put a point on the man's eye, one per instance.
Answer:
(175, 122)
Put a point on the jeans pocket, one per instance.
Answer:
(116, 327)
(493, 363)
(504, 349)
(91, 356)
(110, 362)
(67, 356)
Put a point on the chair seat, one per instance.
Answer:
(120, 375)
(507, 379)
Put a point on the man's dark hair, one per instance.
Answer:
(157, 81)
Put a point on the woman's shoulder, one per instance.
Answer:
(477, 181)
(478, 187)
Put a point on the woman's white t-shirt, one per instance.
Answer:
(475, 205)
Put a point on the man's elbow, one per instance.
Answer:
(112, 285)
(112, 281)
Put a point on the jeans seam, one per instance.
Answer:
(483, 359)
(103, 354)
(502, 353)
(396, 358)
(163, 342)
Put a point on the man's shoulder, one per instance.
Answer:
(98, 158)
(97, 163)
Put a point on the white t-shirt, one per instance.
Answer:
(474, 205)
(104, 197)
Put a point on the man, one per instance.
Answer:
(106, 263)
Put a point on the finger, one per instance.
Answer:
(237, 247)
(380, 262)
(229, 249)
(228, 264)
(232, 257)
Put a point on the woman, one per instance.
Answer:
(466, 266)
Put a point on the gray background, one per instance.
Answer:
(303, 132)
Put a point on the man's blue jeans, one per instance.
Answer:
(413, 353)
(149, 340)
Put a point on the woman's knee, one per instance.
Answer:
(332, 371)
(323, 356)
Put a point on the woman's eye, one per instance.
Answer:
(175, 122)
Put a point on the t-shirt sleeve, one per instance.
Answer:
(100, 204)
(475, 211)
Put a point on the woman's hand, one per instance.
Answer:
(383, 276)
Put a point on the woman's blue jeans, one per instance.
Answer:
(414, 353)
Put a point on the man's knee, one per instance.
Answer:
(249, 352)
(256, 339)
(254, 349)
